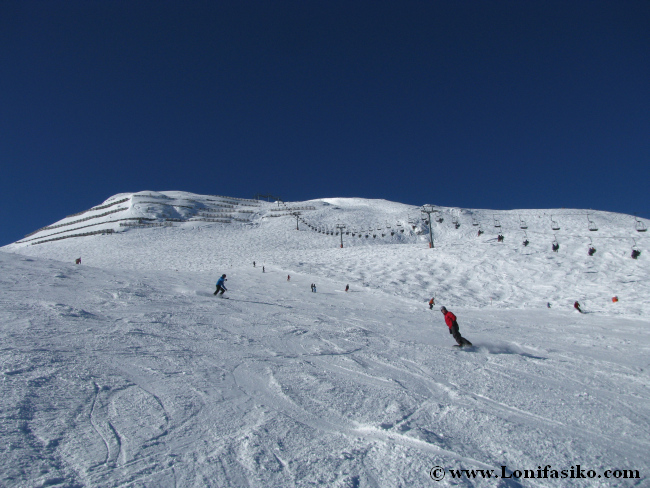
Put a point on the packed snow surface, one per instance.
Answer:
(127, 371)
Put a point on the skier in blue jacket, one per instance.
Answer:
(221, 287)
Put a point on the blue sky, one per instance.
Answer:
(482, 104)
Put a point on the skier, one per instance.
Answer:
(347, 287)
(253, 264)
(263, 269)
(288, 277)
(432, 302)
(77, 261)
(576, 305)
(450, 320)
(221, 287)
(314, 287)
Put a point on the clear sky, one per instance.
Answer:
(482, 104)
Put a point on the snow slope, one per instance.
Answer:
(127, 371)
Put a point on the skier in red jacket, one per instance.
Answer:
(450, 320)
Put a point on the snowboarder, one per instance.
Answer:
(347, 287)
(432, 302)
(77, 261)
(221, 287)
(576, 305)
(450, 320)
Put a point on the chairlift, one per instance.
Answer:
(439, 219)
(592, 249)
(497, 224)
(555, 245)
(592, 224)
(522, 224)
(639, 225)
(635, 251)
(411, 222)
(526, 242)
(554, 224)
(474, 222)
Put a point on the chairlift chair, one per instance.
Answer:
(474, 222)
(522, 224)
(554, 224)
(592, 224)
(639, 225)
(497, 224)
(592, 249)
(411, 222)
(635, 251)
(555, 245)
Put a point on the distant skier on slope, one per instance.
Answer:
(221, 287)
(432, 302)
(347, 287)
(576, 305)
(450, 320)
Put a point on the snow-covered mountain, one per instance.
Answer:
(127, 371)
(385, 247)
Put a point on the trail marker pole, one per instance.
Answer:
(428, 209)
(340, 227)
